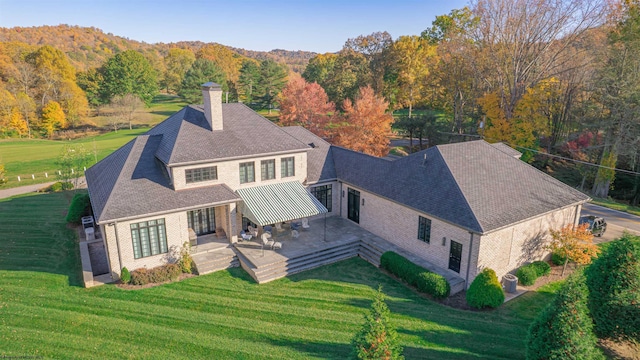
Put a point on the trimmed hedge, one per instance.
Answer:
(422, 279)
(80, 206)
(564, 330)
(542, 268)
(125, 276)
(59, 186)
(158, 274)
(485, 291)
(614, 284)
(527, 275)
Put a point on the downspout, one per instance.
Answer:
(115, 227)
(341, 196)
(469, 260)
(103, 230)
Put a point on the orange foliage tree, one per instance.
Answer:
(575, 245)
(365, 125)
(305, 104)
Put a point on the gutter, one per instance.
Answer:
(213, 161)
(469, 260)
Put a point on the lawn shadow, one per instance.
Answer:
(166, 113)
(35, 236)
(316, 349)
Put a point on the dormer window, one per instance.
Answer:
(201, 174)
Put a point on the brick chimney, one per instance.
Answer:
(212, 94)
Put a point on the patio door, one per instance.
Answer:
(353, 205)
(202, 221)
(455, 256)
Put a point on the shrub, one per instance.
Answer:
(140, 276)
(59, 186)
(158, 274)
(378, 338)
(527, 275)
(542, 268)
(424, 280)
(485, 291)
(614, 284)
(80, 206)
(433, 284)
(125, 276)
(563, 330)
(557, 259)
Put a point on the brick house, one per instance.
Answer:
(215, 168)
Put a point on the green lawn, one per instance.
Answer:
(611, 204)
(25, 157)
(44, 312)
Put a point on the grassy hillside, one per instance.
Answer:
(226, 315)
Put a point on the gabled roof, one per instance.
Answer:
(471, 184)
(131, 183)
(188, 138)
(319, 158)
(507, 149)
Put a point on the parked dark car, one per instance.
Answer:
(597, 225)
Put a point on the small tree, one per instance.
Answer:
(378, 338)
(614, 285)
(71, 163)
(575, 245)
(125, 107)
(563, 330)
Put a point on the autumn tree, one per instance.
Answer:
(89, 81)
(128, 72)
(414, 57)
(3, 179)
(575, 245)
(273, 78)
(377, 50)
(248, 81)
(27, 108)
(320, 68)
(378, 338)
(305, 104)
(226, 59)
(202, 71)
(365, 125)
(177, 62)
(53, 118)
(125, 107)
(350, 73)
(522, 42)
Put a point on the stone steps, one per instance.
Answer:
(296, 264)
(214, 260)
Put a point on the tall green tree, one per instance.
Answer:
(248, 81)
(320, 68)
(202, 71)
(90, 81)
(350, 73)
(564, 330)
(177, 63)
(273, 78)
(128, 72)
(378, 338)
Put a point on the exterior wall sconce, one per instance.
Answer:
(342, 193)
(362, 202)
(444, 241)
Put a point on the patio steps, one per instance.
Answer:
(214, 260)
(303, 262)
(371, 252)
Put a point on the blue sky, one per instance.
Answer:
(320, 26)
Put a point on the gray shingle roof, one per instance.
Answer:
(187, 137)
(507, 149)
(471, 184)
(131, 182)
(319, 159)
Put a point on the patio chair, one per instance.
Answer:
(279, 227)
(245, 236)
(294, 234)
(276, 245)
(305, 223)
(267, 228)
(252, 231)
(266, 240)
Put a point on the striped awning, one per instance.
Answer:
(271, 204)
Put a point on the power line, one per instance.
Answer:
(551, 155)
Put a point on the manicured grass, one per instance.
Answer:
(224, 315)
(274, 116)
(25, 157)
(611, 204)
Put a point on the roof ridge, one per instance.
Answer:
(309, 131)
(455, 181)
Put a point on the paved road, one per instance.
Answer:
(33, 188)
(617, 221)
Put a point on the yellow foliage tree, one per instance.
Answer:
(53, 118)
(517, 132)
(575, 245)
(17, 122)
(414, 57)
(228, 61)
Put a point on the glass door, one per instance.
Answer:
(202, 221)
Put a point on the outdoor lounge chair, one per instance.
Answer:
(252, 231)
(266, 240)
(305, 223)
(245, 236)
